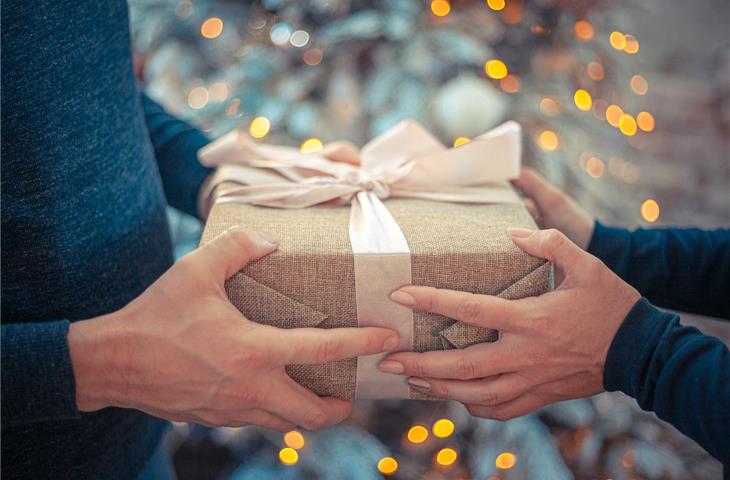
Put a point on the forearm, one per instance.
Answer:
(682, 269)
(675, 371)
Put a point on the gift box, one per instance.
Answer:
(416, 213)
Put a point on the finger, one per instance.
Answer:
(230, 251)
(319, 345)
(551, 245)
(483, 391)
(482, 310)
(345, 152)
(534, 185)
(522, 405)
(478, 361)
(301, 406)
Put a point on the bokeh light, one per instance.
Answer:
(595, 167)
(288, 456)
(650, 210)
(632, 44)
(496, 5)
(387, 465)
(549, 106)
(583, 30)
(595, 71)
(446, 457)
(511, 83)
(627, 125)
(418, 433)
(645, 121)
(617, 40)
(505, 460)
(582, 100)
(440, 8)
(311, 145)
(496, 69)
(294, 439)
(211, 27)
(198, 98)
(549, 140)
(443, 428)
(459, 141)
(613, 115)
(259, 127)
(639, 85)
(313, 56)
(218, 92)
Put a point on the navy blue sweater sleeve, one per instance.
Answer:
(37, 376)
(685, 269)
(176, 144)
(675, 371)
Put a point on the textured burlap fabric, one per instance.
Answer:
(309, 281)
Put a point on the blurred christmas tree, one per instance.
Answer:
(313, 71)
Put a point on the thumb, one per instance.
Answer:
(550, 244)
(230, 251)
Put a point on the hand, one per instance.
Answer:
(551, 348)
(551, 208)
(181, 351)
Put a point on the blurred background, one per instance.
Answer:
(625, 104)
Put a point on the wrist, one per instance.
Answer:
(97, 350)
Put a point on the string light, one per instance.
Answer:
(582, 100)
(549, 140)
(613, 115)
(639, 85)
(627, 125)
(595, 71)
(632, 45)
(650, 213)
(496, 5)
(288, 456)
(496, 69)
(617, 40)
(259, 127)
(418, 433)
(387, 465)
(443, 428)
(583, 30)
(311, 145)
(211, 28)
(440, 8)
(645, 121)
(505, 460)
(511, 83)
(446, 457)
(294, 439)
(459, 141)
(198, 98)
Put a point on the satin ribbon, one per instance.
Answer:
(404, 162)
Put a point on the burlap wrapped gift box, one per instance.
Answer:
(310, 280)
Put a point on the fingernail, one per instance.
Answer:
(419, 384)
(391, 344)
(264, 239)
(389, 366)
(403, 298)
(519, 232)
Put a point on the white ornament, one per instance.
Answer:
(467, 106)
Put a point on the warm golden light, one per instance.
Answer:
(259, 127)
(198, 97)
(443, 428)
(512, 13)
(617, 40)
(549, 106)
(505, 460)
(311, 145)
(632, 44)
(511, 83)
(650, 210)
(645, 121)
(595, 167)
(294, 439)
(549, 140)
(446, 457)
(582, 100)
(639, 85)
(211, 27)
(496, 5)
(459, 141)
(418, 433)
(387, 465)
(496, 69)
(288, 456)
(440, 8)
(613, 115)
(627, 125)
(595, 71)
(583, 30)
